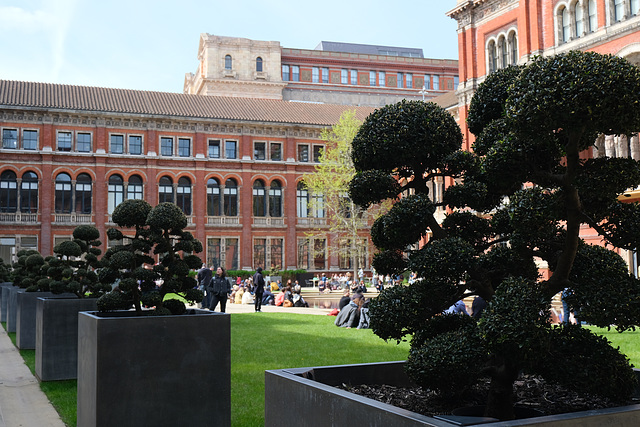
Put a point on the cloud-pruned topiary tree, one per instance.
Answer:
(73, 267)
(521, 196)
(157, 231)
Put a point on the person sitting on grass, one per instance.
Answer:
(349, 316)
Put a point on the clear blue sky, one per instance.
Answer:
(150, 45)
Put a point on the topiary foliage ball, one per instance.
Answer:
(86, 233)
(68, 248)
(176, 307)
(167, 216)
(131, 213)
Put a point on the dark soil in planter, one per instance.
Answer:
(531, 392)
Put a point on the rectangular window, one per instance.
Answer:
(315, 75)
(303, 254)
(30, 139)
(166, 146)
(135, 144)
(436, 83)
(408, 81)
(344, 75)
(303, 153)
(400, 77)
(317, 152)
(214, 148)
(116, 144)
(295, 73)
(259, 151)
(231, 150)
(184, 147)
(259, 252)
(83, 142)
(64, 141)
(9, 138)
(214, 252)
(276, 151)
(456, 81)
(231, 256)
(276, 252)
(285, 73)
(381, 79)
(325, 75)
(319, 258)
(372, 78)
(427, 81)
(354, 77)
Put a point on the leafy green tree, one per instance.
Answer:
(522, 195)
(157, 231)
(329, 185)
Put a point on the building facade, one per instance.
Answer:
(70, 154)
(332, 73)
(493, 34)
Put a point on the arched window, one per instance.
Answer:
(259, 199)
(116, 192)
(135, 188)
(213, 198)
(259, 64)
(8, 192)
(63, 193)
(578, 15)
(513, 46)
(275, 199)
(618, 10)
(302, 198)
(493, 57)
(502, 48)
(165, 190)
(29, 193)
(183, 195)
(230, 198)
(566, 26)
(228, 62)
(83, 194)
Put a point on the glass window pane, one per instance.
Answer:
(9, 138)
(117, 144)
(135, 144)
(83, 142)
(30, 140)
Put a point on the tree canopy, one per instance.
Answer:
(519, 199)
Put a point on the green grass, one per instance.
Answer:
(263, 341)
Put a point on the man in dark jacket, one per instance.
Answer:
(258, 286)
(204, 281)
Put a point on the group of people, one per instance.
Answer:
(354, 311)
(253, 290)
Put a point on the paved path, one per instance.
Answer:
(22, 403)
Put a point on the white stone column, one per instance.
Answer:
(634, 146)
(609, 146)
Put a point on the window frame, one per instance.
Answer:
(78, 142)
(37, 139)
(64, 149)
(259, 153)
(184, 150)
(130, 144)
(14, 139)
(211, 142)
(112, 138)
(272, 146)
(227, 150)
(166, 149)
(303, 153)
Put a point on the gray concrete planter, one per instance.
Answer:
(26, 317)
(4, 299)
(12, 308)
(57, 336)
(154, 370)
(313, 392)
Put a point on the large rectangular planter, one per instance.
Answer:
(57, 336)
(12, 308)
(26, 317)
(3, 300)
(154, 370)
(311, 394)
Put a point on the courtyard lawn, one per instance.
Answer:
(261, 341)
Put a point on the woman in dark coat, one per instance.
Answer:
(219, 289)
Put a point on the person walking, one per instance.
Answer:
(204, 277)
(220, 289)
(258, 286)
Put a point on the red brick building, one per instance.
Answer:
(493, 34)
(70, 154)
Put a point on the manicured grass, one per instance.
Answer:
(628, 342)
(261, 341)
